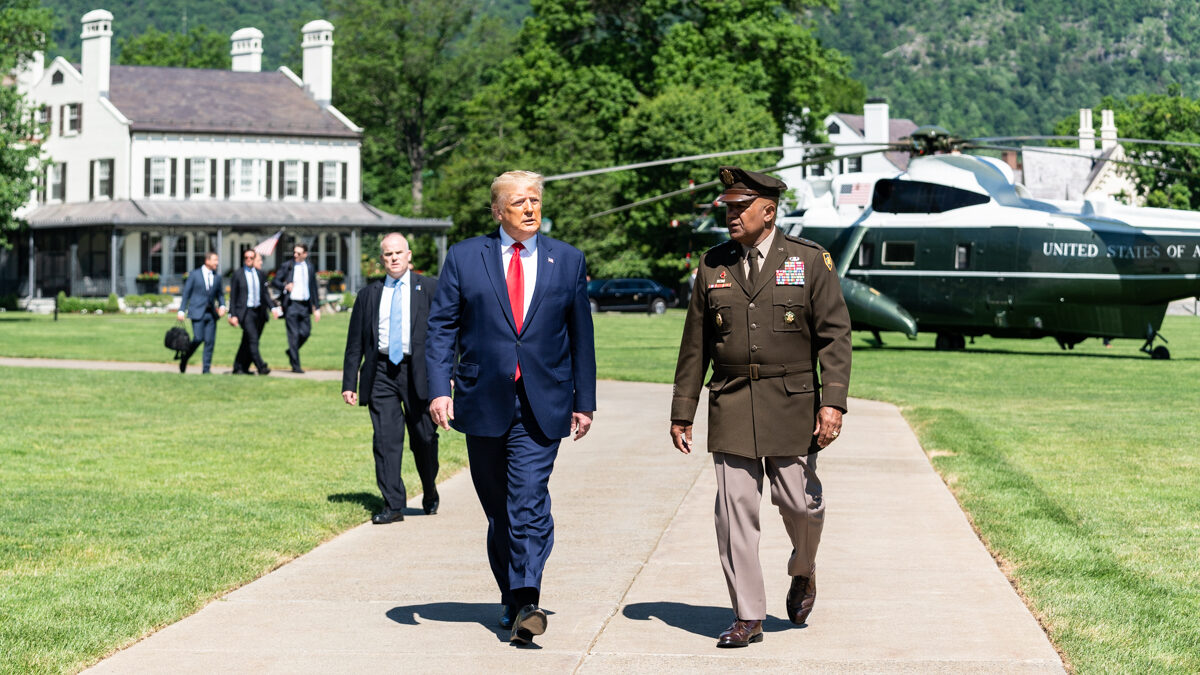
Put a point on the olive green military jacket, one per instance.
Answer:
(764, 344)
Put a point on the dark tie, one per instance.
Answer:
(752, 255)
(516, 292)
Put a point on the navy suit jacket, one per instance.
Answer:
(196, 300)
(472, 338)
(284, 277)
(362, 337)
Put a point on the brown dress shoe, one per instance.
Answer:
(800, 598)
(741, 634)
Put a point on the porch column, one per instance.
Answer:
(355, 262)
(168, 263)
(220, 251)
(112, 262)
(32, 265)
(72, 268)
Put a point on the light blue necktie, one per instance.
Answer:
(253, 288)
(395, 334)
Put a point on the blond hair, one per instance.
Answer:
(507, 181)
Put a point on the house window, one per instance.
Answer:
(72, 113)
(152, 252)
(102, 179)
(198, 172)
(291, 178)
(246, 177)
(854, 164)
(962, 257)
(818, 169)
(158, 176)
(834, 128)
(899, 253)
(329, 180)
(57, 77)
(43, 115)
(58, 182)
(200, 248)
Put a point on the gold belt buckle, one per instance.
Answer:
(753, 371)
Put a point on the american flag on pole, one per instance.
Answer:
(854, 193)
(267, 246)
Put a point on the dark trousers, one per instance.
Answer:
(299, 327)
(252, 328)
(204, 330)
(394, 406)
(511, 474)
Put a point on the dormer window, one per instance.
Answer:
(57, 77)
(834, 128)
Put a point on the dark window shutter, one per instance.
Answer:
(187, 179)
(112, 178)
(92, 180)
(62, 115)
(282, 187)
(344, 165)
(306, 181)
(270, 165)
(173, 176)
(212, 178)
(320, 180)
(64, 182)
(147, 190)
(79, 117)
(49, 119)
(228, 178)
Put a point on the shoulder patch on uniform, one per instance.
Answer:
(828, 260)
(801, 240)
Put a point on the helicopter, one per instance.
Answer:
(954, 246)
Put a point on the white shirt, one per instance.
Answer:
(764, 247)
(529, 263)
(252, 288)
(300, 281)
(385, 313)
(208, 279)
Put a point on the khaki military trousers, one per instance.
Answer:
(795, 491)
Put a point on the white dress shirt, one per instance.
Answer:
(208, 279)
(300, 282)
(764, 247)
(529, 263)
(385, 313)
(252, 288)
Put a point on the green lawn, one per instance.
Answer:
(129, 500)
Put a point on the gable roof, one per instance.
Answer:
(219, 101)
(897, 129)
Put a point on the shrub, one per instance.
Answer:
(75, 305)
(148, 300)
(8, 302)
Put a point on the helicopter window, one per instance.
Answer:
(962, 257)
(911, 196)
(899, 253)
(866, 254)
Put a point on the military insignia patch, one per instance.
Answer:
(789, 317)
(722, 281)
(791, 274)
(727, 177)
(828, 260)
(719, 320)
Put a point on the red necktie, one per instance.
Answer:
(516, 292)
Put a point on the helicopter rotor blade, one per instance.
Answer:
(1049, 151)
(815, 160)
(1135, 141)
(713, 155)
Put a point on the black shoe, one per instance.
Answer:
(530, 621)
(431, 507)
(265, 370)
(183, 365)
(387, 516)
(297, 369)
(508, 616)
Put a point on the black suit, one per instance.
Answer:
(252, 320)
(396, 394)
(296, 314)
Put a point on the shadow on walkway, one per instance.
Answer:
(697, 619)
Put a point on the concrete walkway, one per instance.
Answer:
(634, 584)
(146, 367)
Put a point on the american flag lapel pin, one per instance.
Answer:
(550, 260)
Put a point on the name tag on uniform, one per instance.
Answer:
(791, 274)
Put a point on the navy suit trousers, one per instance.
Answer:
(511, 474)
(204, 330)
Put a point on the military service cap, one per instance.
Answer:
(745, 186)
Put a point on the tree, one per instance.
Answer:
(405, 68)
(24, 25)
(198, 48)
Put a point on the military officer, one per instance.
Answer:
(766, 309)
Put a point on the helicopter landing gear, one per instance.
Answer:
(1159, 353)
(949, 342)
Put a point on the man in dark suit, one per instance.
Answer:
(203, 302)
(385, 358)
(297, 281)
(512, 327)
(249, 300)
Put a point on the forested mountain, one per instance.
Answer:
(1013, 66)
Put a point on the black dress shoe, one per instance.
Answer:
(800, 598)
(297, 369)
(741, 634)
(508, 616)
(431, 507)
(183, 365)
(530, 621)
(387, 516)
(265, 370)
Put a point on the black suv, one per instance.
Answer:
(631, 295)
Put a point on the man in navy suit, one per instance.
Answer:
(296, 280)
(249, 302)
(511, 327)
(385, 358)
(203, 302)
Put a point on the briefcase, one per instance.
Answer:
(177, 338)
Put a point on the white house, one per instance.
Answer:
(151, 167)
(1086, 172)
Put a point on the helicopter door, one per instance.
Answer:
(1000, 259)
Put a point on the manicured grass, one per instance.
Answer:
(139, 337)
(129, 500)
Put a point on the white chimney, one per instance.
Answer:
(97, 51)
(317, 42)
(246, 50)
(875, 121)
(1087, 135)
(30, 73)
(1108, 129)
